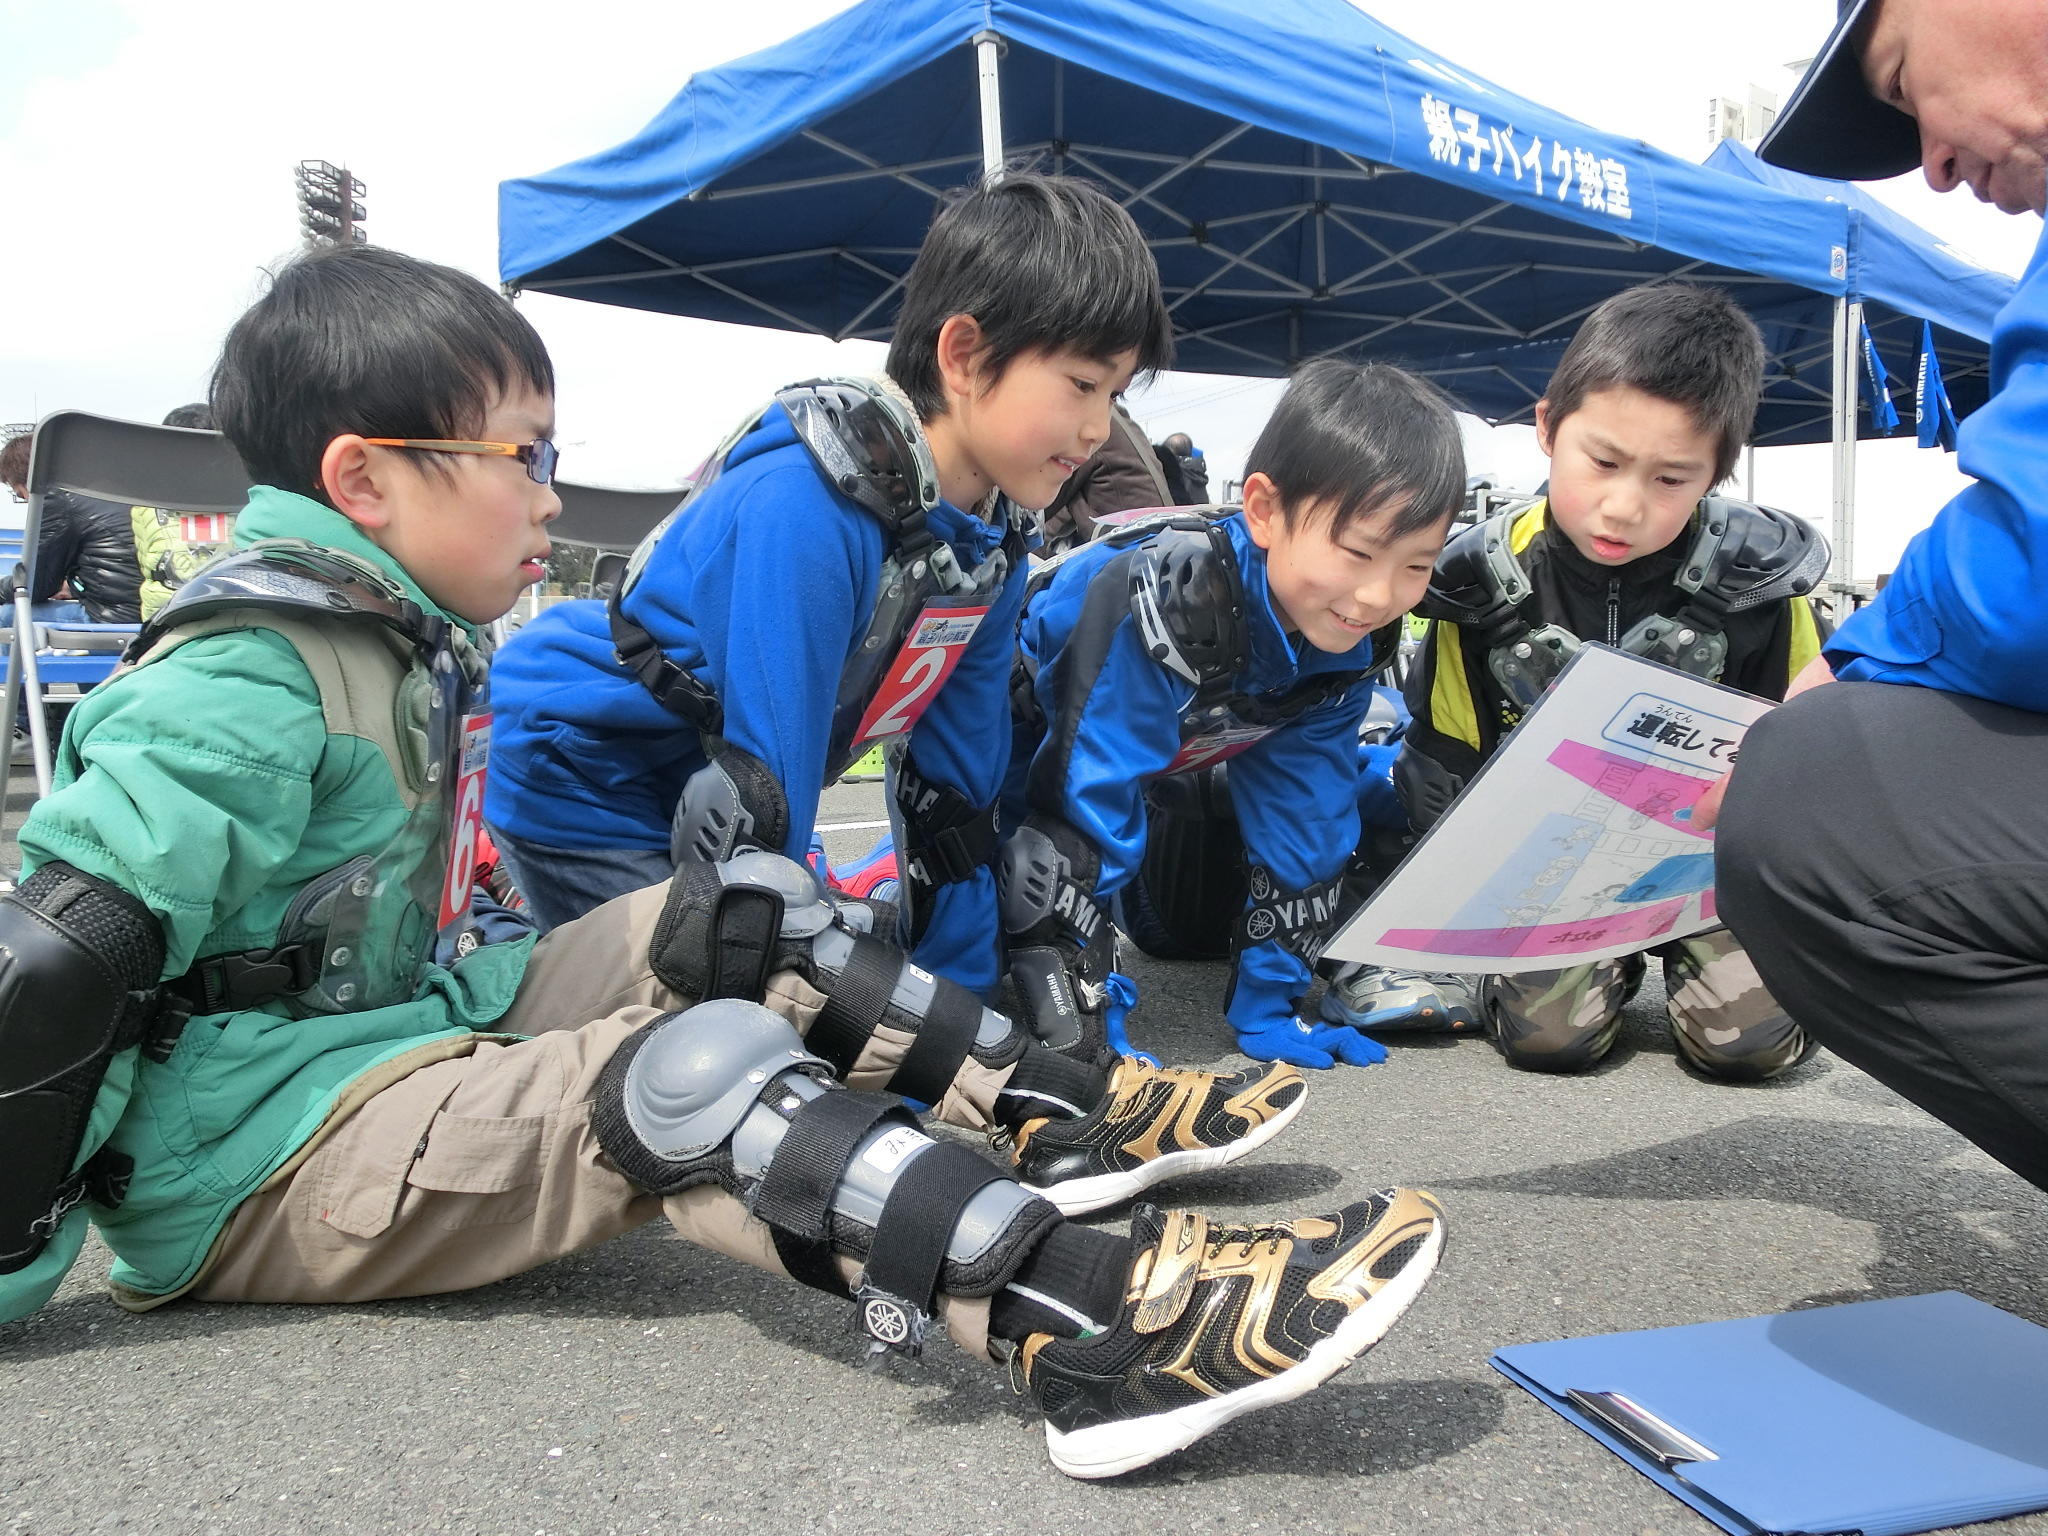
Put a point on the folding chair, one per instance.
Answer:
(125, 461)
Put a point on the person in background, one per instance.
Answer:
(1123, 475)
(1186, 471)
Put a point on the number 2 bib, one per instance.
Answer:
(931, 650)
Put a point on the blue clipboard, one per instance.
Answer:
(1879, 1417)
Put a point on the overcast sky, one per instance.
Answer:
(147, 149)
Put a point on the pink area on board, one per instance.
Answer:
(1655, 793)
(1644, 926)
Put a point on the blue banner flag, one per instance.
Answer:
(1883, 414)
(1936, 417)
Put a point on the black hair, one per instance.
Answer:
(1041, 263)
(190, 416)
(356, 338)
(1682, 342)
(1359, 437)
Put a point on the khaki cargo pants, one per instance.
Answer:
(442, 1175)
(1724, 1021)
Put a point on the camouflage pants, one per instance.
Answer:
(1725, 1023)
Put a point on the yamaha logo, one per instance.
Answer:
(886, 1321)
(1262, 885)
(1260, 926)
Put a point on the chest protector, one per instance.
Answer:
(358, 936)
(1742, 556)
(868, 446)
(1178, 578)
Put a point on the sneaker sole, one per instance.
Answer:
(1108, 1450)
(1381, 1018)
(1077, 1197)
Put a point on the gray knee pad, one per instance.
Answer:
(726, 1093)
(731, 804)
(727, 927)
(1061, 943)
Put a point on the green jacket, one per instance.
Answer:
(207, 785)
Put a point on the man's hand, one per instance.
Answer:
(1707, 809)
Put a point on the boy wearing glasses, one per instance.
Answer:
(225, 1039)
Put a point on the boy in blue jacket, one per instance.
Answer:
(1186, 639)
(846, 572)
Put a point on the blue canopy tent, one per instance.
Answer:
(1309, 180)
(1900, 279)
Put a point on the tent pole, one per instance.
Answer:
(988, 48)
(1848, 325)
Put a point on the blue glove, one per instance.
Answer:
(1310, 1045)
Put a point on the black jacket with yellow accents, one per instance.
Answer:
(1461, 711)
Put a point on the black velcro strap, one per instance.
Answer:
(917, 1223)
(676, 689)
(946, 836)
(944, 1037)
(855, 1002)
(809, 1164)
(1301, 922)
(745, 922)
(809, 1262)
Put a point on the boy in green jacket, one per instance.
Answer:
(225, 1039)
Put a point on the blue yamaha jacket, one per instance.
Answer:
(1296, 791)
(762, 589)
(1965, 611)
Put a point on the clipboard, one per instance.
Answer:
(1876, 1417)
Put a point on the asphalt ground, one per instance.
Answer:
(649, 1387)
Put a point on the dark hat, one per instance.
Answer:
(1833, 126)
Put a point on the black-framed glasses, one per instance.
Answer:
(539, 456)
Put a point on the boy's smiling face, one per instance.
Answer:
(474, 537)
(1023, 433)
(1626, 470)
(1334, 589)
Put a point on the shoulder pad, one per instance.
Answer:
(868, 445)
(292, 576)
(1467, 585)
(1750, 555)
(1187, 595)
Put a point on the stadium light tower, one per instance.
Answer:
(329, 210)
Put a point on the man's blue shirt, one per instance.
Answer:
(1295, 791)
(1967, 609)
(762, 589)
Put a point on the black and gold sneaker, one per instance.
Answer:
(1220, 1320)
(1154, 1123)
